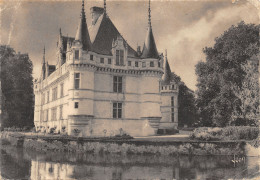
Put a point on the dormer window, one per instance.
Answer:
(151, 64)
(102, 60)
(119, 57)
(76, 54)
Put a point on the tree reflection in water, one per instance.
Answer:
(25, 164)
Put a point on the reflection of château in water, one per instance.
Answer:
(101, 84)
(17, 164)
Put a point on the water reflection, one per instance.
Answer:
(24, 164)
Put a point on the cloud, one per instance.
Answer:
(185, 46)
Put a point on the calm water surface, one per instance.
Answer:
(24, 164)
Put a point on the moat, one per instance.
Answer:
(17, 163)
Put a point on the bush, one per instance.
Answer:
(227, 133)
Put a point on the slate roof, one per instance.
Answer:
(52, 68)
(102, 34)
(167, 77)
(65, 40)
(149, 49)
(82, 34)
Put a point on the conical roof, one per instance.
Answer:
(82, 34)
(167, 77)
(43, 64)
(149, 49)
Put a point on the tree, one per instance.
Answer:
(187, 112)
(17, 88)
(222, 71)
(247, 109)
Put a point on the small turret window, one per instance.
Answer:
(136, 63)
(91, 57)
(76, 54)
(159, 64)
(109, 61)
(172, 108)
(151, 64)
(102, 60)
(77, 80)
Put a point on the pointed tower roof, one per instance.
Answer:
(149, 49)
(43, 64)
(167, 77)
(82, 34)
(43, 58)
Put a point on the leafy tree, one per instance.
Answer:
(247, 109)
(187, 112)
(17, 88)
(222, 71)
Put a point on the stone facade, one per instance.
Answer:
(102, 87)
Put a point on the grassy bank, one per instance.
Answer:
(107, 146)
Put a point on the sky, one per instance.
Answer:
(184, 28)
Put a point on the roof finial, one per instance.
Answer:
(105, 6)
(149, 14)
(44, 54)
(165, 53)
(60, 31)
(83, 6)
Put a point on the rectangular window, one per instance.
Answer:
(151, 64)
(117, 84)
(77, 80)
(102, 60)
(159, 64)
(53, 114)
(76, 105)
(172, 108)
(48, 96)
(120, 57)
(43, 98)
(143, 64)
(61, 90)
(61, 112)
(136, 63)
(47, 115)
(172, 101)
(91, 57)
(117, 57)
(54, 93)
(109, 61)
(172, 114)
(117, 110)
(76, 54)
(129, 63)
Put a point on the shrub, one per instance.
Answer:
(227, 133)
(76, 132)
